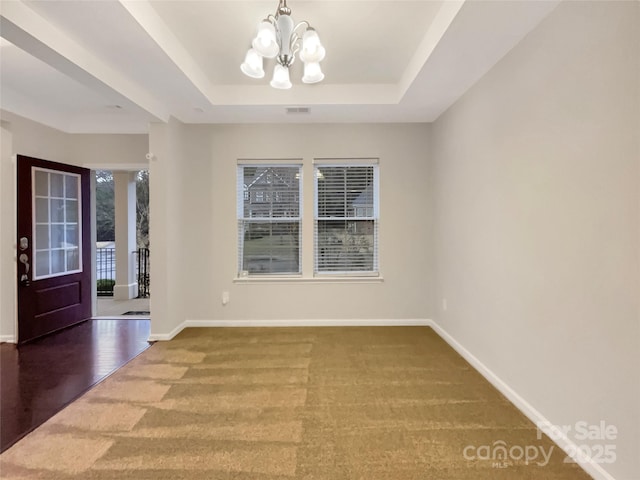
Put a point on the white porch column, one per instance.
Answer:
(126, 286)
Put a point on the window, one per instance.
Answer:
(346, 218)
(269, 206)
(56, 223)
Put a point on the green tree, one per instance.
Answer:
(142, 209)
(105, 207)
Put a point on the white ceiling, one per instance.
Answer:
(109, 66)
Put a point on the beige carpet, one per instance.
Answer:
(286, 403)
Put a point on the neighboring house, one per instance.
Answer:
(362, 206)
(262, 199)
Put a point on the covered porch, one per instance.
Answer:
(134, 308)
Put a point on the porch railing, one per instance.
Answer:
(142, 271)
(106, 271)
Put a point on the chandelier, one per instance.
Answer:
(278, 38)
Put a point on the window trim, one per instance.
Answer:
(285, 279)
(348, 162)
(241, 196)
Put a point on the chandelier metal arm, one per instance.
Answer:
(303, 22)
(294, 44)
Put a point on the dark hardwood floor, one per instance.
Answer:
(40, 378)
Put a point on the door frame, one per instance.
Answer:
(113, 168)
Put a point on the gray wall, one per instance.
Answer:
(536, 176)
(194, 183)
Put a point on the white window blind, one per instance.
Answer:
(269, 214)
(346, 218)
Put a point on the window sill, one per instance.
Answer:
(296, 279)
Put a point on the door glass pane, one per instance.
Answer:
(42, 210)
(57, 211)
(42, 263)
(72, 236)
(73, 259)
(57, 185)
(57, 236)
(57, 261)
(72, 211)
(42, 183)
(57, 224)
(42, 237)
(71, 186)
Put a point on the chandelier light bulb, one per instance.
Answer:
(252, 66)
(312, 49)
(312, 73)
(281, 78)
(266, 43)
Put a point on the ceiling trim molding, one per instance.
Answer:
(347, 94)
(434, 34)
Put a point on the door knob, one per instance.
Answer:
(24, 259)
(24, 278)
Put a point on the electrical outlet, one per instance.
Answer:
(225, 297)
(444, 304)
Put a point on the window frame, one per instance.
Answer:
(374, 216)
(243, 195)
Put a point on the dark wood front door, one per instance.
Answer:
(53, 247)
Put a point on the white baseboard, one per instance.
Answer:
(7, 339)
(163, 337)
(567, 445)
